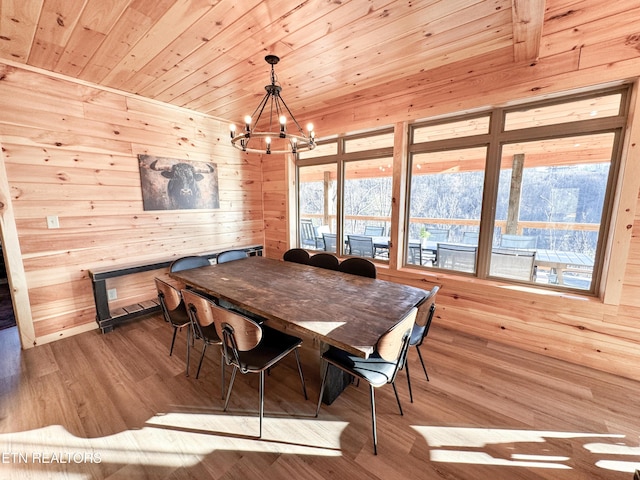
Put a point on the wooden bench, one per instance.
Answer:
(108, 317)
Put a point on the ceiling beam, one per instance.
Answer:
(528, 18)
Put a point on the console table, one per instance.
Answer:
(107, 318)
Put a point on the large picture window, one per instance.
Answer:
(526, 200)
(317, 188)
(345, 192)
(520, 194)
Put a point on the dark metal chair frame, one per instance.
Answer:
(296, 255)
(174, 312)
(426, 311)
(252, 348)
(324, 260)
(358, 266)
(231, 255)
(379, 369)
(199, 310)
(189, 262)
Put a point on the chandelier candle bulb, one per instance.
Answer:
(283, 121)
(232, 130)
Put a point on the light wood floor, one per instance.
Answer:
(116, 405)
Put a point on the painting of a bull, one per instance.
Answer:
(172, 184)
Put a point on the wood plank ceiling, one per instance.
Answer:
(208, 55)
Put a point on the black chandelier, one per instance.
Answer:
(263, 135)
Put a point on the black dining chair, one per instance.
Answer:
(379, 369)
(358, 266)
(174, 313)
(252, 348)
(186, 263)
(324, 260)
(199, 310)
(426, 310)
(231, 255)
(296, 255)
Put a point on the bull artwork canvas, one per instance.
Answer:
(173, 184)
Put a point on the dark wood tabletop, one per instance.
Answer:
(343, 310)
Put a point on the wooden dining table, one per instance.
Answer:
(340, 309)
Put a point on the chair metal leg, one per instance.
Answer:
(304, 388)
(173, 340)
(397, 397)
(233, 377)
(373, 419)
(422, 362)
(188, 350)
(324, 379)
(261, 400)
(222, 372)
(406, 364)
(204, 349)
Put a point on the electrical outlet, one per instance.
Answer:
(52, 221)
(112, 294)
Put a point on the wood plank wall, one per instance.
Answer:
(70, 150)
(577, 52)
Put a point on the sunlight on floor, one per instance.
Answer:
(170, 440)
(453, 444)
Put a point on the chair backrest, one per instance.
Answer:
(169, 297)
(238, 333)
(393, 344)
(426, 311)
(296, 255)
(360, 245)
(518, 241)
(199, 310)
(426, 308)
(513, 264)
(307, 233)
(358, 266)
(457, 257)
(470, 238)
(330, 242)
(231, 255)
(373, 231)
(324, 260)
(438, 234)
(186, 263)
